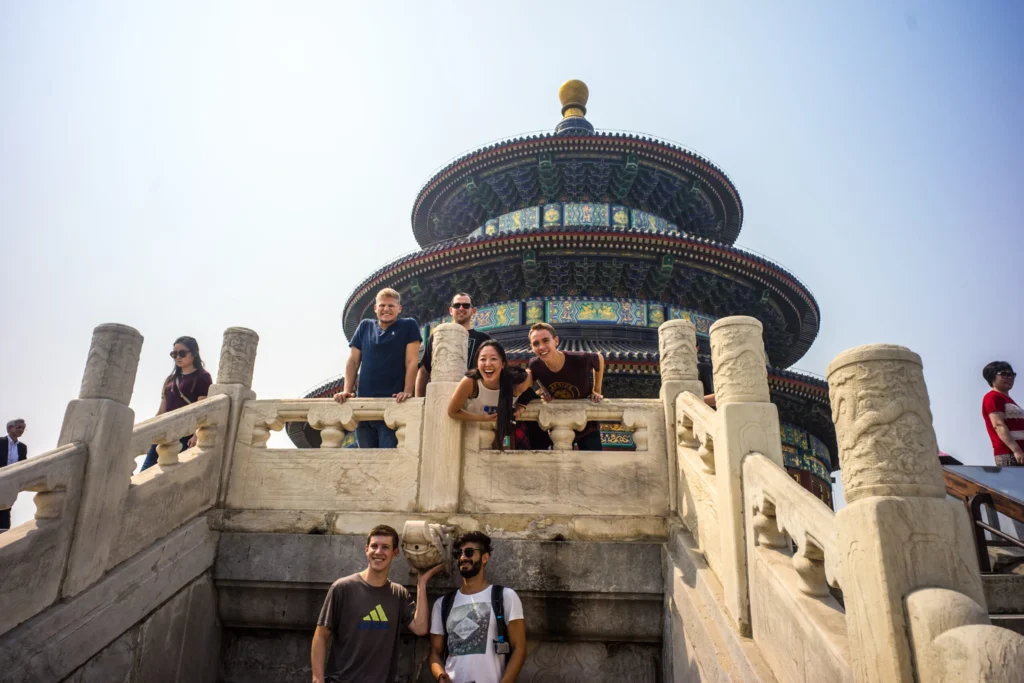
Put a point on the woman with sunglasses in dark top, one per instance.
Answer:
(189, 383)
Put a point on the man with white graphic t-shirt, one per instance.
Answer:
(467, 643)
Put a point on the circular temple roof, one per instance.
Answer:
(575, 163)
(715, 278)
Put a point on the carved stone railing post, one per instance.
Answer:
(898, 533)
(333, 420)
(748, 423)
(677, 347)
(234, 379)
(953, 640)
(441, 455)
(101, 419)
(563, 420)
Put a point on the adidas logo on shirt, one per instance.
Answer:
(376, 620)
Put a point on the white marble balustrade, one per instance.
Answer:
(35, 553)
(792, 560)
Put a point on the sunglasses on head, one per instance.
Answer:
(1007, 374)
(465, 552)
(180, 354)
(462, 305)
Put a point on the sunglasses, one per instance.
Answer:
(465, 552)
(180, 354)
(462, 305)
(1008, 375)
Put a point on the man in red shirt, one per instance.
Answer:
(1004, 419)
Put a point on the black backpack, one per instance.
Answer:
(497, 608)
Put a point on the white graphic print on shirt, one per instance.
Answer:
(467, 634)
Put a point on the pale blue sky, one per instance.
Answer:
(193, 166)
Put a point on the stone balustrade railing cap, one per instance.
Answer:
(883, 421)
(237, 356)
(668, 324)
(677, 347)
(873, 352)
(451, 346)
(113, 361)
(736, 320)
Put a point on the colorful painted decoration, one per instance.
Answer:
(648, 221)
(620, 311)
(655, 315)
(505, 314)
(534, 311)
(574, 214)
(799, 451)
(702, 322)
(552, 215)
(585, 214)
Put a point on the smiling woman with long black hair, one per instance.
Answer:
(486, 393)
(187, 384)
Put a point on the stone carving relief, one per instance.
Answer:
(883, 423)
(739, 361)
(237, 356)
(426, 545)
(677, 345)
(113, 359)
(333, 420)
(450, 349)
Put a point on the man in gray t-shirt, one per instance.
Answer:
(361, 617)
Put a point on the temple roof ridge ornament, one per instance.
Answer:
(574, 95)
(577, 163)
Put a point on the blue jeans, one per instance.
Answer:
(375, 434)
(152, 457)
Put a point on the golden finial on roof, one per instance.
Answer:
(573, 95)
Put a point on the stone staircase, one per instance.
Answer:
(694, 558)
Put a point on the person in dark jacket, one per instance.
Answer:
(12, 451)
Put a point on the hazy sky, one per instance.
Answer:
(193, 166)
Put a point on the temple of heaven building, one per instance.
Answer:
(605, 236)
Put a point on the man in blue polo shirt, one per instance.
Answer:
(383, 354)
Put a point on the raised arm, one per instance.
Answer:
(318, 654)
(420, 624)
(998, 421)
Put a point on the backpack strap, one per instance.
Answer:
(446, 608)
(498, 609)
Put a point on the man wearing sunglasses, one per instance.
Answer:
(462, 312)
(477, 634)
(1004, 419)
